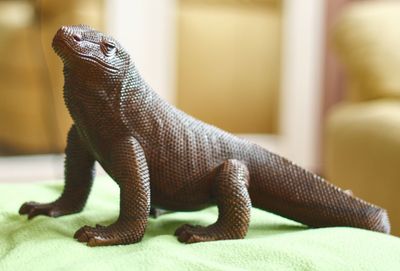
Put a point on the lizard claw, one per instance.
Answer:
(193, 233)
(184, 228)
(33, 209)
(189, 234)
(107, 235)
(81, 234)
(89, 235)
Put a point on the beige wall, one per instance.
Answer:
(229, 63)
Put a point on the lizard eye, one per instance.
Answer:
(77, 37)
(108, 48)
(110, 45)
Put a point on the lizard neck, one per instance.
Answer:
(95, 99)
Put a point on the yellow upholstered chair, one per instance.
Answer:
(362, 139)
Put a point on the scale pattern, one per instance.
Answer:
(163, 158)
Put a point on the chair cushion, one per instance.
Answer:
(367, 38)
(362, 152)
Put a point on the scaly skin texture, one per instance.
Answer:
(161, 157)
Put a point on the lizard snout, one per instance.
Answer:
(65, 31)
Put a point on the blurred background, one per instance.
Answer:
(316, 81)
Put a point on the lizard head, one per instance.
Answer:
(89, 51)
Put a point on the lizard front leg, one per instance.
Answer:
(79, 171)
(234, 205)
(129, 169)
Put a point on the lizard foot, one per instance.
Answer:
(114, 234)
(193, 234)
(33, 209)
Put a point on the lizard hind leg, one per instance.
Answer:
(231, 195)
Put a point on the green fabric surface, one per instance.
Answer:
(273, 243)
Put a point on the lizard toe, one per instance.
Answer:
(189, 234)
(107, 235)
(100, 240)
(182, 228)
(33, 209)
(84, 234)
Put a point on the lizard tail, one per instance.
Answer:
(279, 186)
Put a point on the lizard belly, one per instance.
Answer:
(179, 195)
(176, 205)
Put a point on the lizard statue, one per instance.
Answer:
(161, 157)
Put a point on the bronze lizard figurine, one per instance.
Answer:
(160, 156)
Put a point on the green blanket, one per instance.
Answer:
(273, 243)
